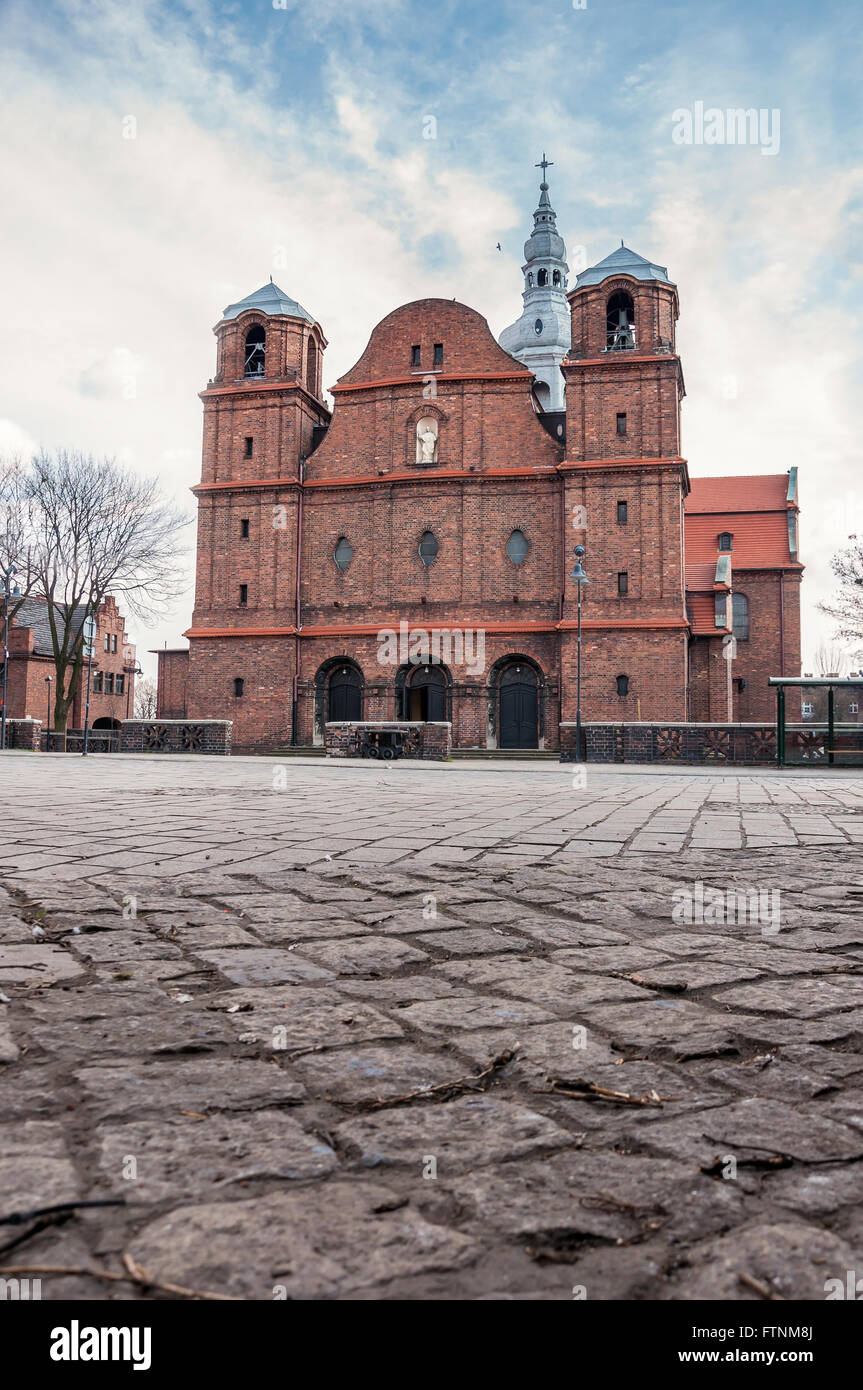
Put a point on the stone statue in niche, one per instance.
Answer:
(427, 440)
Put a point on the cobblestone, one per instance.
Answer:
(565, 1071)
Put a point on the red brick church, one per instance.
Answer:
(409, 555)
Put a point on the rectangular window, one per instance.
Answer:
(852, 708)
(622, 517)
(415, 356)
(107, 642)
(438, 354)
(238, 686)
(244, 528)
(249, 446)
(806, 707)
(97, 683)
(109, 682)
(623, 582)
(119, 685)
(113, 642)
(621, 423)
(720, 610)
(244, 595)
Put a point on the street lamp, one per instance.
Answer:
(580, 578)
(48, 680)
(10, 590)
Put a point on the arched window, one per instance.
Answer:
(542, 278)
(256, 347)
(555, 279)
(239, 687)
(623, 685)
(428, 548)
(343, 553)
(312, 368)
(517, 547)
(726, 540)
(740, 617)
(530, 279)
(620, 321)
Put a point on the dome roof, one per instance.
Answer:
(269, 299)
(623, 261)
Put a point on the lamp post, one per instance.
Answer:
(580, 578)
(10, 590)
(48, 680)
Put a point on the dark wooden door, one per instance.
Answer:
(519, 708)
(346, 695)
(428, 694)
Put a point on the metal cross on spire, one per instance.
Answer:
(543, 165)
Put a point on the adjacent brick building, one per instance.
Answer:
(410, 556)
(114, 666)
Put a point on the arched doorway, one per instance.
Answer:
(519, 707)
(106, 723)
(345, 694)
(425, 694)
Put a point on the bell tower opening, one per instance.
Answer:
(620, 322)
(256, 351)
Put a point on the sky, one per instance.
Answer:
(161, 160)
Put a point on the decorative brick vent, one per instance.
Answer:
(664, 743)
(386, 739)
(176, 736)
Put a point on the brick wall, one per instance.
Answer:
(176, 736)
(173, 684)
(431, 740)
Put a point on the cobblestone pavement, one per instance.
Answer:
(328, 1031)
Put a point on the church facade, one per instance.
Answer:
(410, 555)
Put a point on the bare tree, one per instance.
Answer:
(14, 531)
(846, 604)
(830, 659)
(93, 529)
(146, 698)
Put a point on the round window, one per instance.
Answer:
(343, 553)
(428, 548)
(517, 547)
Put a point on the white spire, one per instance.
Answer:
(541, 337)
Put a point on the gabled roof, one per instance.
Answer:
(623, 261)
(33, 613)
(759, 492)
(269, 299)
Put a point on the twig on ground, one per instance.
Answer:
(759, 1288)
(446, 1090)
(577, 1089)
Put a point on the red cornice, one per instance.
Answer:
(424, 475)
(494, 628)
(619, 359)
(666, 461)
(417, 379)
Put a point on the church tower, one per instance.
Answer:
(625, 482)
(264, 413)
(541, 337)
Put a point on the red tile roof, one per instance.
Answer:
(759, 492)
(701, 575)
(760, 539)
(702, 615)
